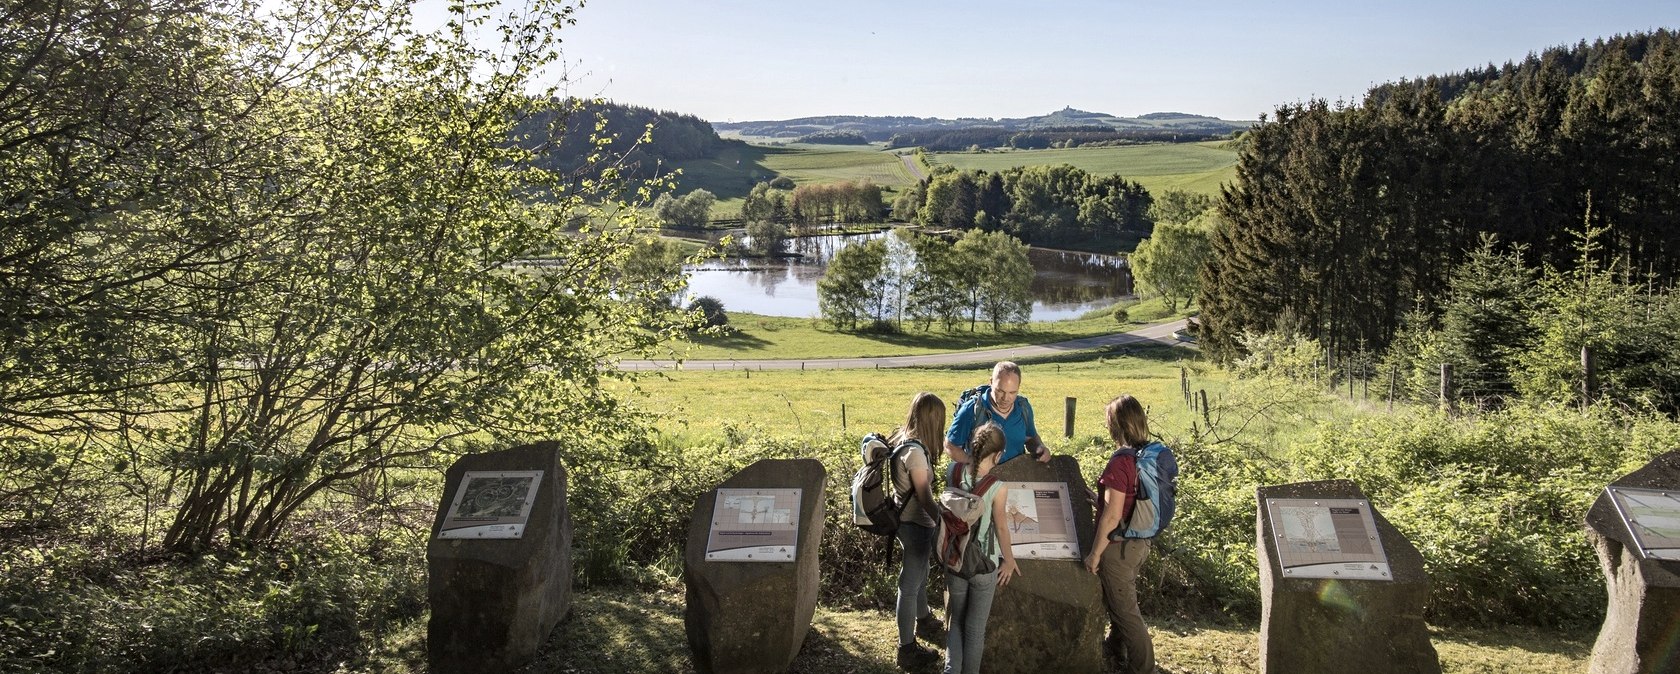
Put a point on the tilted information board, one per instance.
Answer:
(1653, 517)
(1040, 520)
(754, 525)
(491, 504)
(1327, 538)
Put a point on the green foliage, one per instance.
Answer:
(1037, 204)
(1494, 503)
(692, 210)
(70, 607)
(1179, 206)
(853, 288)
(768, 236)
(1281, 355)
(1348, 214)
(851, 201)
(711, 311)
(1000, 277)
(1171, 259)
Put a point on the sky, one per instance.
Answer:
(741, 60)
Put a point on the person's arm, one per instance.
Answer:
(1000, 523)
(962, 427)
(922, 487)
(1107, 521)
(957, 453)
(1035, 443)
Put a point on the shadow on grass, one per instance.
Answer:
(735, 340)
(731, 173)
(1573, 643)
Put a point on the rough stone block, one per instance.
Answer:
(1641, 630)
(1333, 625)
(494, 601)
(1051, 617)
(752, 617)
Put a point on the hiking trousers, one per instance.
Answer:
(1119, 571)
(965, 620)
(917, 542)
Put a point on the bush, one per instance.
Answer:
(1122, 316)
(782, 183)
(711, 311)
(68, 607)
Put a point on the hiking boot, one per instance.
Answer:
(930, 628)
(913, 656)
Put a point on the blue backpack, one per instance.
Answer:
(1157, 492)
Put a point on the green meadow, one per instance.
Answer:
(1190, 167)
(733, 172)
(703, 404)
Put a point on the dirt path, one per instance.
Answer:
(1160, 334)
(911, 165)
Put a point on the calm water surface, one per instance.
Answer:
(1065, 284)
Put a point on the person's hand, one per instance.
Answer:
(1044, 455)
(1009, 570)
(1092, 562)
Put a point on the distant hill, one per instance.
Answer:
(565, 137)
(1063, 128)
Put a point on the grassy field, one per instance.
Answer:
(1191, 167)
(706, 404)
(626, 630)
(757, 337)
(732, 174)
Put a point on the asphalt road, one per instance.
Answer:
(1161, 334)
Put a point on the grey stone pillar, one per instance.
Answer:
(1336, 625)
(494, 601)
(752, 617)
(1051, 617)
(1641, 632)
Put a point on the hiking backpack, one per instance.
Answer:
(876, 501)
(982, 414)
(959, 516)
(1157, 490)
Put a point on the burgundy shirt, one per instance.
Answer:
(1119, 476)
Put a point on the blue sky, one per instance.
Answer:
(748, 59)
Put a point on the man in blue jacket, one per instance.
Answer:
(1000, 402)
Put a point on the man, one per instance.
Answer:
(1000, 401)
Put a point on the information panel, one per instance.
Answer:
(754, 525)
(1653, 516)
(1041, 521)
(491, 504)
(1327, 538)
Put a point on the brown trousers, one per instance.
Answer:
(1119, 571)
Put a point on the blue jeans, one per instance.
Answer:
(965, 621)
(917, 543)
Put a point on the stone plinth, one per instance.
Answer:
(494, 601)
(1051, 617)
(1641, 630)
(752, 617)
(1342, 625)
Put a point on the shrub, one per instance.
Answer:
(782, 183)
(711, 311)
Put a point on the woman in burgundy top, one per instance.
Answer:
(1115, 558)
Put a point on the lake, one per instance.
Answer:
(1065, 285)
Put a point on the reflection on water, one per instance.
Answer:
(1066, 283)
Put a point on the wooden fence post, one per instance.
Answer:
(1067, 427)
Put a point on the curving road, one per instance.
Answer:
(909, 160)
(1159, 334)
